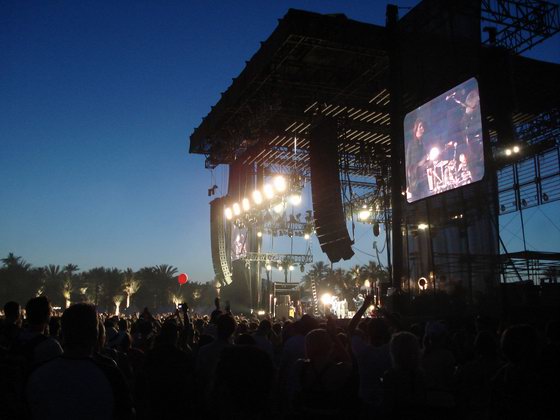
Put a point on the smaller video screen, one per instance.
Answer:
(239, 244)
(444, 143)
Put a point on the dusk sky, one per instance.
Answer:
(97, 103)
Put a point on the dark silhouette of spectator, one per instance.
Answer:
(404, 385)
(75, 386)
(474, 378)
(167, 370)
(244, 383)
(32, 342)
(209, 355)
(438, 364)
(517, 391)
(10, 327)
(261, 336)
(321, 380)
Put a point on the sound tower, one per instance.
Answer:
(330, 222)
(219, 242)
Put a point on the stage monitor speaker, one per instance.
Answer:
(219, 241)
(330, 222)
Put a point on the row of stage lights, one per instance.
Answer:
(271, 194)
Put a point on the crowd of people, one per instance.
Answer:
(86, 365)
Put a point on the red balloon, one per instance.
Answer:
(183, 278)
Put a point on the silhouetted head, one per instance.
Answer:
(306, 324)
(318, 344)
(12, 311)
(124, 325)
(225, 326)
(405, 351)
(519, 344)
(38, 311)
(264, 327)
(169, 333)
(80, 329)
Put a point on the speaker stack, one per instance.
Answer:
(330, 222)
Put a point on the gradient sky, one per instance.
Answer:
(97, 101)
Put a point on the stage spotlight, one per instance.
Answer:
(422, 226)
(306, 236)
(259, 234)
(364, 214)
(422, 283)
(229, 213)
(245, 204)
(236, 209)
(280, 268)
(326, 299)
(367, 284)
(268, 191)
(278, 208)
(434, 153)
(291, 268)
(508, 152)
(268, 267)
(295, 199)
(516, 149)
(257, 197)
(279, 183)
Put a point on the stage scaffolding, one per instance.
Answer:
(315, 67)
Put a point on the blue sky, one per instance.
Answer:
(97, 101)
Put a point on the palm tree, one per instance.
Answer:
(131, 285)
(52, 282)
(11, 261)
(68, 282)
(117, 299)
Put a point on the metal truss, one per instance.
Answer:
(519, 24)
(271, 257)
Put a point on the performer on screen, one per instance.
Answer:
(416, 163)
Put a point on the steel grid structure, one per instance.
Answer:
(520, 24)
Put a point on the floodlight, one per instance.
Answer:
(434, 153)
(236, 209)
(306, 236)
(245, 204)
(268, 191)
(367, 284)
(279, 183)
(291, 268)
(280, 268)
(268, 267)
(326, 299)
(516, 149)
(508, 152)
(295, 199)
(364, 214)
(279, 208)
(259, 234)
(422, 226)
(257, 197)
(229, 213)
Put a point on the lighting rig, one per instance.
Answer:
(266, 210)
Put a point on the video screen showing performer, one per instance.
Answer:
(443, 143)
(238, 243)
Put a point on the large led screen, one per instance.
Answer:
(238, 243)
(443, 143)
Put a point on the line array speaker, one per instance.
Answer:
(330, 222)
(218, 241)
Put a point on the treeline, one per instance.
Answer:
(111, 289)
